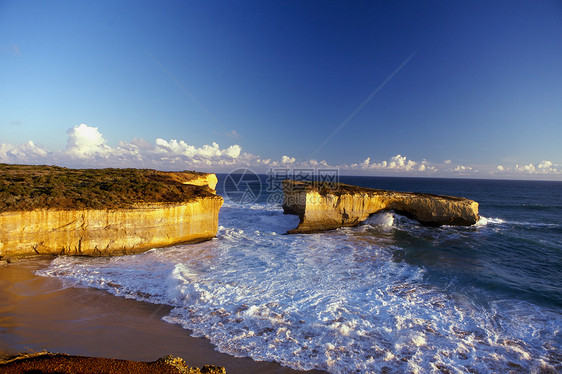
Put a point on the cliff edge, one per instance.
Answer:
(102, 212)
(327, 206)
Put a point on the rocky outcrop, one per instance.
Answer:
(191, 215)
(60, 363)
(329, 206)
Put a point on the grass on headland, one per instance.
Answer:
(28, 187)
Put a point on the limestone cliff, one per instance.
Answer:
(330, 206)
(178, 207)
(107, 232)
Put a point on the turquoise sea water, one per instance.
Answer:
(389, 295)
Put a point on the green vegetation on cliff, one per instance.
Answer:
(27, 187)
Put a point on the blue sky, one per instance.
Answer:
(420, 88)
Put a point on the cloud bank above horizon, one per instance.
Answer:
(86, 147)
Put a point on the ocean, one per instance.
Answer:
(386, 296)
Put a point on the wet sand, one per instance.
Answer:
(38, 313)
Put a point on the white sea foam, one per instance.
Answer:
(383, 219)
(484, 221)
(495, 222)
(336, 301)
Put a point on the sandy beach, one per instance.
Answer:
(38, 313)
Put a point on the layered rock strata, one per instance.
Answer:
(327, 206)
(140, 224)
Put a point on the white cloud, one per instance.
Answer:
(397, 162)
(426, 166)
(139, 142)
(175, 148)
(287, 160)
(526, 168)
(86, 147)
(544, 167)
(84, 141)
(545, 164)
(401, 162)
(462, 169)
(543, 170)
(26, 152)
(233, 151)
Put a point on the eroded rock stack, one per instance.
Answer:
(327, 206)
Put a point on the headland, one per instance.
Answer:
(102, 212)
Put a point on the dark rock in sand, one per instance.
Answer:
(57, 363)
